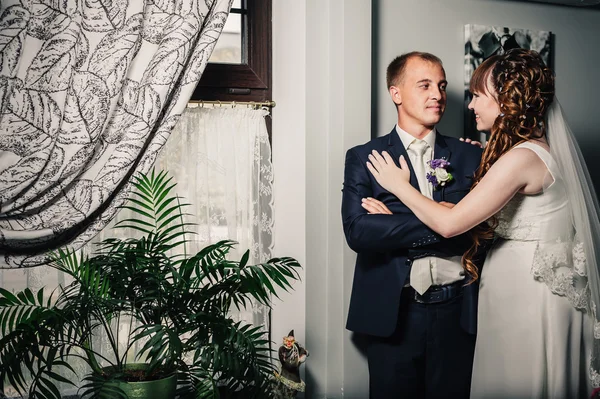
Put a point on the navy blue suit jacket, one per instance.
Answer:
(387, 244)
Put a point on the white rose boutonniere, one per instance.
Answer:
(439, 176)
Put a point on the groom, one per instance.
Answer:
(409, 295)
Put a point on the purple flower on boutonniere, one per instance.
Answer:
(438, 174)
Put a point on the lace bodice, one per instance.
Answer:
(529, 217)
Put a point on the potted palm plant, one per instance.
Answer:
(174, 306)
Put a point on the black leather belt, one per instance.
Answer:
(435, 293)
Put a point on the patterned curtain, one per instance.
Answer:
(89, 93)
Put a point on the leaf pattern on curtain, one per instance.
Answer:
(89, 91)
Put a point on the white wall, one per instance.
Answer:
(322, 86)
(437, 26)
(289, 158)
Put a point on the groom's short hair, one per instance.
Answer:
(396, 68)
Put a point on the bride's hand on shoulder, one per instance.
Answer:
(375, 207)
(385, 171)
(472, 142)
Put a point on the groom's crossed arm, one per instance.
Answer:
(379, 233)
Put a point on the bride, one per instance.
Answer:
(540, 282)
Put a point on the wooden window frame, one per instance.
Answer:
(250, 81)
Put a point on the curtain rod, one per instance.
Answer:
(252, 104)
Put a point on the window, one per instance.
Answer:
(243, 54)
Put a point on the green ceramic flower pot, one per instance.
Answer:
(157, 389)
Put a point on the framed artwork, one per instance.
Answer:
(483, 41)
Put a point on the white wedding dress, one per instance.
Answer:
(531, 342)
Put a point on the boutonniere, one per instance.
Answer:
(438, 174)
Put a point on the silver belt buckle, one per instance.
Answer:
(418, 297)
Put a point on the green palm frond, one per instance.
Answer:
(22, 308)
(103, 386)
(236, 350)
(156, 210)
(44, 382)
(163, 346)
(27, 351)
(196, 383)
(88, 276)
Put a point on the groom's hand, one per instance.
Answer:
(375, 207)
(447, 204)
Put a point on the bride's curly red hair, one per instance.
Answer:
(523, 86)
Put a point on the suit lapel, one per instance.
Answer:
(441, 151)
(396, 148)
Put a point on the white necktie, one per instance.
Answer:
(418, 148)
(420, 273)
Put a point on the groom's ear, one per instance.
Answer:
(395, 94)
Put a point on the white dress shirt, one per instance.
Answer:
(444, 270)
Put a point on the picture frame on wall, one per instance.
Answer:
(481, 42)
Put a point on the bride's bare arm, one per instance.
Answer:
(518, 170)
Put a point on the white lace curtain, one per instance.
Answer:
(89, 93)
(221, 159)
